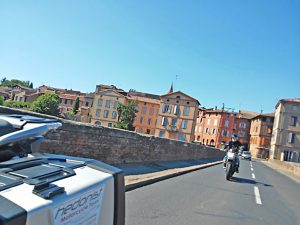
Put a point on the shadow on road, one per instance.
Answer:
(248, 181)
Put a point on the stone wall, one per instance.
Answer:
(291, 167)
(116, 146)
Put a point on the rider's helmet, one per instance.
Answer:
(234, 137)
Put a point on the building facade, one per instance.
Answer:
(105, 104)
(285, 144)
(242, 126)
(261, 134)
(177, 116)
(147, 108)
(215, 127)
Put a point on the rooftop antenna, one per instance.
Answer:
(261, 110)
(176, 78)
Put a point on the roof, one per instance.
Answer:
(265, 114)
(216, 111)
(115, 91)
(145, 95)
(22, 87)
(297, 100)
(68, 96)
(144, 99)
(179, 92)
(246, 114)
(104, 87)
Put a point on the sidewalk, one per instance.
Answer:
(281, 170)
(139, 175)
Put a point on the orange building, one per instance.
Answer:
(177, 116)
(146, 111)
(242, 126)
(215, 127)
(261, 134)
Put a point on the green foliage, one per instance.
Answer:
(76, 106)
(19, 105)
(1, 100)
(126, 115)
(46, 104)
(10, 83)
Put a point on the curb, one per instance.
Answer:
(143, 183)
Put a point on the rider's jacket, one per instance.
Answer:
(234, 145)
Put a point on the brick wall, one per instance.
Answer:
(116, 146)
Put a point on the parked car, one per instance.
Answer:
(246, 155)
(241, 149)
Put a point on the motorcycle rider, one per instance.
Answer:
(233, 144)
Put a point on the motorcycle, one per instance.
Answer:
(231, 164)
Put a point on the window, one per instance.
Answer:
(208, 121)
(114, 115)
(109, 124)
(216, 122)
(174, 122)
(214, 131)
(98, 112)
(161, 133)
(242, 125)
(184, 124)
(181, 137)
(107, 104)
(116, 104)
(263, 119)
(164, 121)
(98, 123)
(294, 107)
(241, 134)
(291, 138)
(100, 101)
(141, 119)
(206, 130)
(144, 110)
(166, 108)
(149, 121)
(224, 133)
(226, 123)
(151, 112)
(87, 104)
(293, 121)
(105, 114)
(66, 101)
(186, 111)
(269, 130)
(176, 110)
(71, 102)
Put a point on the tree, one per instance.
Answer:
(31, 85)
(1, 100)
(126, 115)
(46, 104)
(76, 106)
(10, 83)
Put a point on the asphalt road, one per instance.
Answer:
(256, 196)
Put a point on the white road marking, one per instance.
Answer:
(257, 196)
(251, 169)
(253, 175)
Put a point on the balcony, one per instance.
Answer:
(172, 128)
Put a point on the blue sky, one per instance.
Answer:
(243, 53)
